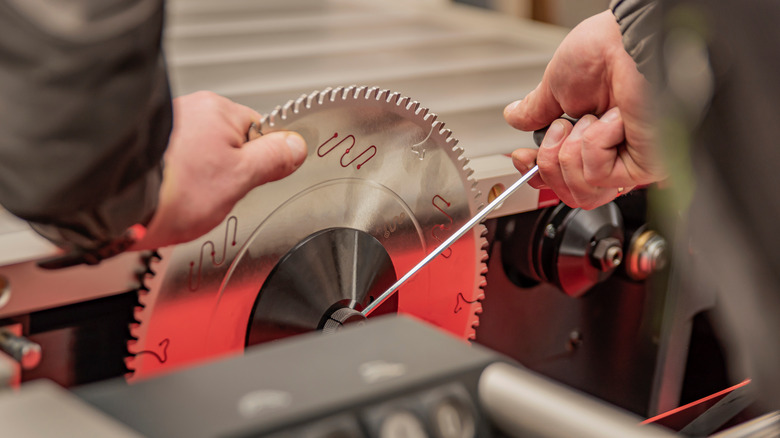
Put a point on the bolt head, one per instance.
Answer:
(608, 254)
(550, 232)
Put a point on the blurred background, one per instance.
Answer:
(561, 12)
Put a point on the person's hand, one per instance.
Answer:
(589, 164)
(209, 166)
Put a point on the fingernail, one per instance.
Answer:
(511, 107)
(580, 127)
(297, 145)
(554, 134)
(611, 115)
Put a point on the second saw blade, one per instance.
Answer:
(329, 270)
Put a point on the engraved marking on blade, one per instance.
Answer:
(393, 225)
(160, 358)
(379, 371)
(194, 277)
(419, 148)
(443, 227)
(459, 304)
(256, 402)
(371, 149)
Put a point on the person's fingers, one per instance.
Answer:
(547, 159)
(273, 156)
(584, 194)
(241, 119)
(601, 142)
(537, 110)
(244, 117)
(524, 159)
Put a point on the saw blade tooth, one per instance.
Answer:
(358, 92)
(446, 134)
(275, 114)
(142, 300)
(312, 99)
(414, 106)
(449, 139)
(344, 92)
(264, 120)
(336, 94)
(392, 98)
(138, 313)
(404, 102)
(373, 93)
(300, 101)
(383, 95)
(324, 95)
(287, 108)
(340, 93)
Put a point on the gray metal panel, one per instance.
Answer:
(43, 409)
(291, 381)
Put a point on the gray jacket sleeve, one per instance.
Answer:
(640, 24)
(85, 115)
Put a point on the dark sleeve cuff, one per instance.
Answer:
(640, 24)
(89, 230)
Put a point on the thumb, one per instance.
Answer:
(537, 110)
(274, 156)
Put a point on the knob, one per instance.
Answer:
(23, 350)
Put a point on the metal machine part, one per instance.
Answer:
(23, 350)
(573, 249)
(647, 253)
(378, 164)
(359, 382)
(322, 283)
(362, 382)
(523, 404)
(604, 343)
(765, 426)
(17, 354)
(42, 408)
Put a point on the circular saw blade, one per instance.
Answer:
(378, 163)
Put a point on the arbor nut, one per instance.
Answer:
(653, 258)
(647, 254)
(608, 254)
